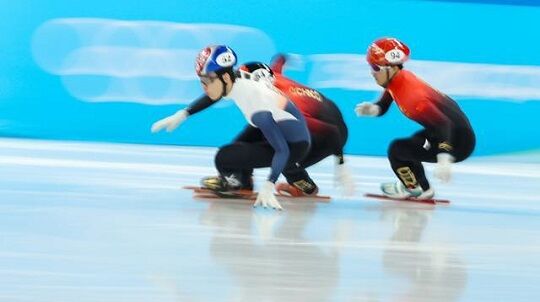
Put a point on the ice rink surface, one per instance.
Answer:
(110, 222)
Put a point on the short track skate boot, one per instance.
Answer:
(298, 189)
(247, 183)
(225, 184)
(398, 190)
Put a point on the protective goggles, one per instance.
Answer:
(205, 80)
(377, 68)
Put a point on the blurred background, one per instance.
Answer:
(86, 217)
(106, 70)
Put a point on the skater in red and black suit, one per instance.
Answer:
(447, 136)
(324, 120)
(325, 123)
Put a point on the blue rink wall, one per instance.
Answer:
(105, 70)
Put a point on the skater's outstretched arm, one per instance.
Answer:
(375, 109)
(384, 102)
(172, 122)
(199, 104)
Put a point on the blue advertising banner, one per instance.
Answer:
(105, 71)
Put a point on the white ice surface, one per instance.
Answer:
(110, 222)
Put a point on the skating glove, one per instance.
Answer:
(344, 180)
(443, 168)
(170, 122)
(367, 109)
(266, 197)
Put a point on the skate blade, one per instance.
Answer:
(315, 198)
(432, 201)
(235, 194)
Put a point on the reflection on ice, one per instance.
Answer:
(110, 222)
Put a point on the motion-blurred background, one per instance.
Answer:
(105, 70)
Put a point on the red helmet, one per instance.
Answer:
(387, 51)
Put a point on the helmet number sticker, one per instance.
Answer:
(225, 59)
(395, 56)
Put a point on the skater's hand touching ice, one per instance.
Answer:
(344, 180)
(266, 197)
(443, 169)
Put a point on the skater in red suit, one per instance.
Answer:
(446, 137)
